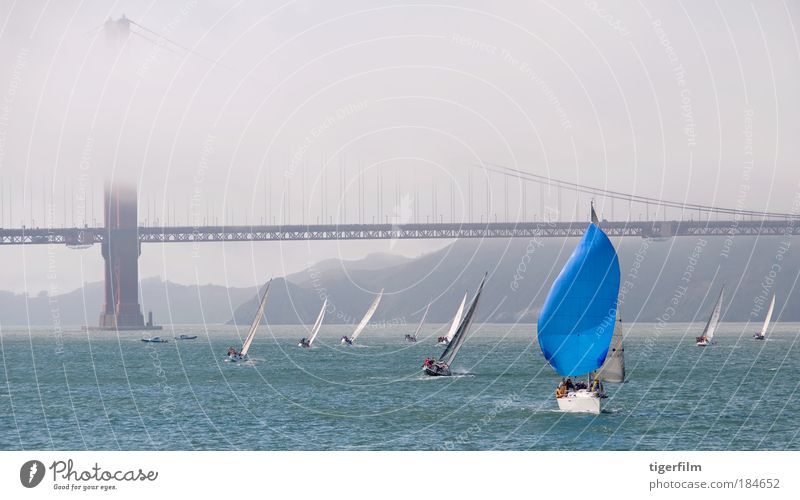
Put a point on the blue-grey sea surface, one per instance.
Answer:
(110, 391)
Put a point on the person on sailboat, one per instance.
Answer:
(346, 340)
(304, 342)
(232, 351)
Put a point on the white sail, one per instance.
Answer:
(318, 323)
(256, 321)
(613, 369)
(768, 318)
(449, 354)
(422, 321)
(457, 319)
(713, 321)
(367, 316)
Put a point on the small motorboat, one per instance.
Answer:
(186, 337)
(155, 340)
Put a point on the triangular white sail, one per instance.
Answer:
(457, 319)
(318, 323)
(422, 321)
(460, 336)
(256, 321)
(768, 318)
(367, 316)
(613, 369)
(713, 321)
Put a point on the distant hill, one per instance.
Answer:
(673, 280)
(170, 303)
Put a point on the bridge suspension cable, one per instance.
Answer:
(582, 188)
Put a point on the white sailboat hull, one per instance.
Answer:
(237, 358)
(580, 401)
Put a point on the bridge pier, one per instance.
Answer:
(121, 249)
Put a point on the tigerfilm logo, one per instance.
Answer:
(31, 473)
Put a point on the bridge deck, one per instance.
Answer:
(648, 229)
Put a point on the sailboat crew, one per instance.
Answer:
(304, 343)
(346, 340)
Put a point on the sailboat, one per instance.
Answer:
(577, 321)
(441, 367)
(360, 328)
(444, 340)
(306, 342)
(762, 335)
(613, 369)
(707, 338)
(237, 356)
(413, 338)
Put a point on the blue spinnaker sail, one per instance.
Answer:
(577, 320)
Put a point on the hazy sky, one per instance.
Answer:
(360, 110)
